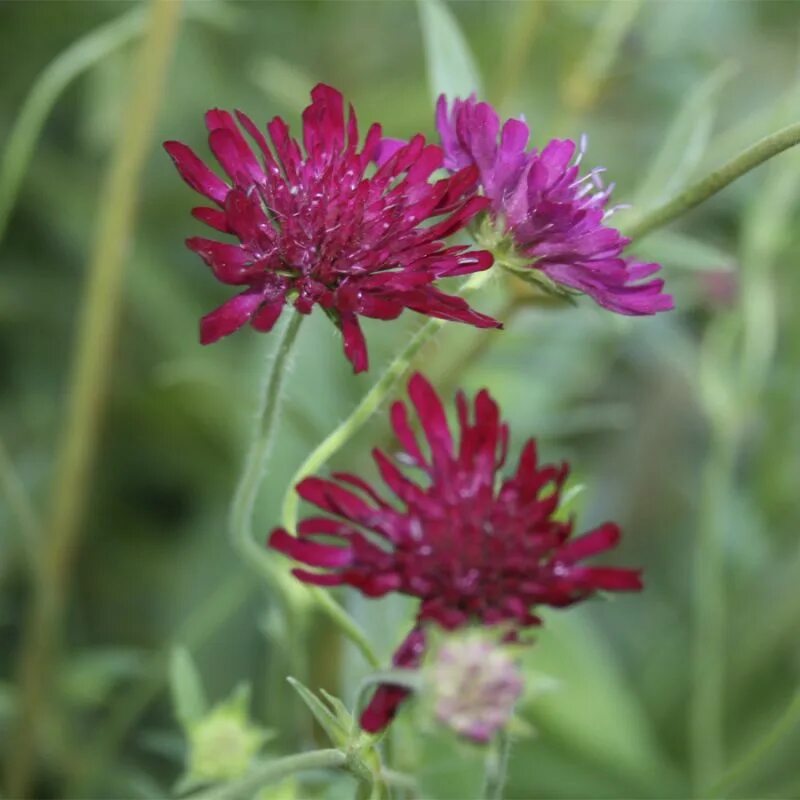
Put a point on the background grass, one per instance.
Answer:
(684, 428)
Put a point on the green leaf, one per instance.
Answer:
(338, 733)
(188, 696)
(87, 678)
(686, 140)
(452, 70)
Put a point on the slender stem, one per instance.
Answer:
(88, 384)
(369, 404)
(497, 767)
(77, 58)
(266, 774)
(295, 596)
(698, 192)
(787, 721)
(244, 499)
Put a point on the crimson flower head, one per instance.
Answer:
(354, 229)
(471, 546)
(556, 219)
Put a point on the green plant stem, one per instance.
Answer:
(296, 597)
(706, 187)
(368, 405)
(87, 386)
(77, 58)
(497, 767)
(252, 475)
(266, 774)
(746, 765)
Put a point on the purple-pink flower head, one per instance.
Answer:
(358, 232)
(556, 218)
(471, 545)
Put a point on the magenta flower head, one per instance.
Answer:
(356, 231)
(472, 547)
(556, 219)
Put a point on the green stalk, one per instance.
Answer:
(742, 769)
(77, 58)
(497, 767)
(87, 387)
(700, 191)
(267, 774)
(244, 499)
(296, 597)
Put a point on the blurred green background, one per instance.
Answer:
(683, 428)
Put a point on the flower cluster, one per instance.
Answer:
(359, 228)
(469, 545)
(329, 223)
(556, 219)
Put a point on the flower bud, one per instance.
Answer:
(475, 684)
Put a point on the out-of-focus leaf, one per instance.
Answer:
(686, 140)
(89, 677)
(452, 70)
(593, 713)
(585, 82)
(188, 697)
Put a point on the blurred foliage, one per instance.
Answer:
(642, 408)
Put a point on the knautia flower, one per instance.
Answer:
(358, 232)
(474, 684)
(473, 547)
(543, 213)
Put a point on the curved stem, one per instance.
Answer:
(788, 720)
(369, 404)
(244, 498)
(698, 192)
(266, 774)
(295, 595)
(87, 386)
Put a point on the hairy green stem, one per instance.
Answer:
(742, 769)
(296, 597)
(244, 499)
(87, 387)
(706, 187)
(76, 59)
(266, 774)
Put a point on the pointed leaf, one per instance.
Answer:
(337, 733)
